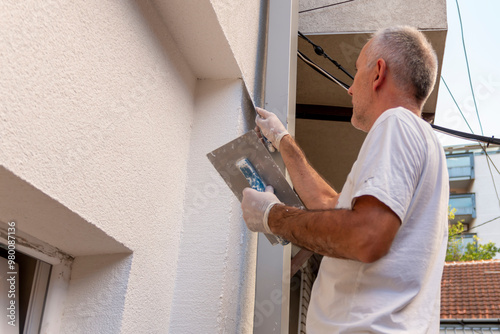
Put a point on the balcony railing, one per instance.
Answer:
(460, 170)
(465, 206)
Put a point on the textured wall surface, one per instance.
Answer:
(103, 113)
(97, 113)
(216, 268)
(245, 26)
(97, 312)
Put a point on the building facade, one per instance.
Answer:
(474, 190)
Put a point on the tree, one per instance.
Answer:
(457, 251)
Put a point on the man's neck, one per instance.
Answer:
(394, 102)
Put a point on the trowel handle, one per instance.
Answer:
(249, 172)
(268, 144)
(256, 182)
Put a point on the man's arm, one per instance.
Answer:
(364, 233)
(312, 189)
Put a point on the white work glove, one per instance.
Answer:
(270, 126)
(256, 206)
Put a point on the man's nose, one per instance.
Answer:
(349, 91)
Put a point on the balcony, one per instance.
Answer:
(461, 170)
(465, 205)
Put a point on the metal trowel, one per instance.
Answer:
(245, 162)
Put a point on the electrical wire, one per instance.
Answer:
(465, 135)
(486, 222)
(321, 70)
(488, 142)
(461, 113)
(493, 181)
(455, 133)
(468, 69)
(321, 7)
(488, 158)
(478, 138)
(320, 52)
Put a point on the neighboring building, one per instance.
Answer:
(470, 297)
(475, 190)
(108, 109)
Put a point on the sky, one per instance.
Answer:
(481, 27)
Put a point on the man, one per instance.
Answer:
(384, 236)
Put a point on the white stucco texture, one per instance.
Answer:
(108, 109)
(101, 273)
(199, 36)
(220, 39)
(96, 113)
(216, 270)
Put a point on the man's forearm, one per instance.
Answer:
(364, 234)
(313, 230)
(312, 189)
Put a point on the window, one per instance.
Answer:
(460, 166)
(465, 205)
(23, 291)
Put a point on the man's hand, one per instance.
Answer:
(256, 206)
(270, 126)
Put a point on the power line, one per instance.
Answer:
(492, 141)
(487, 222)
(321, 71)
(468, 69)
(465, 135)
(320, 52)
(459, 134)
(488, 158)
(463, 116)
(321, 7)
(493, 181)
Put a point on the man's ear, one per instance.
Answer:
(380, 74)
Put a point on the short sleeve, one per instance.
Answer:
(390, 164)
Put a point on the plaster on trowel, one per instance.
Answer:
(246, 162)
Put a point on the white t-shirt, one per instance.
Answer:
(402, 164)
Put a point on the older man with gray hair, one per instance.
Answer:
(384, 236)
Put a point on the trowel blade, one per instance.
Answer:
(250, 146)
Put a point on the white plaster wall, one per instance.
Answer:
(487, 203)
(245, 25)
(97, 113)
(102, 311)
(101, 111)
(214, 291)
(197, 32)
(220, 39)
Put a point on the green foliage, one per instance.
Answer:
(477, 251)
(457, 251)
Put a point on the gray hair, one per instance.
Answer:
(409, 56)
